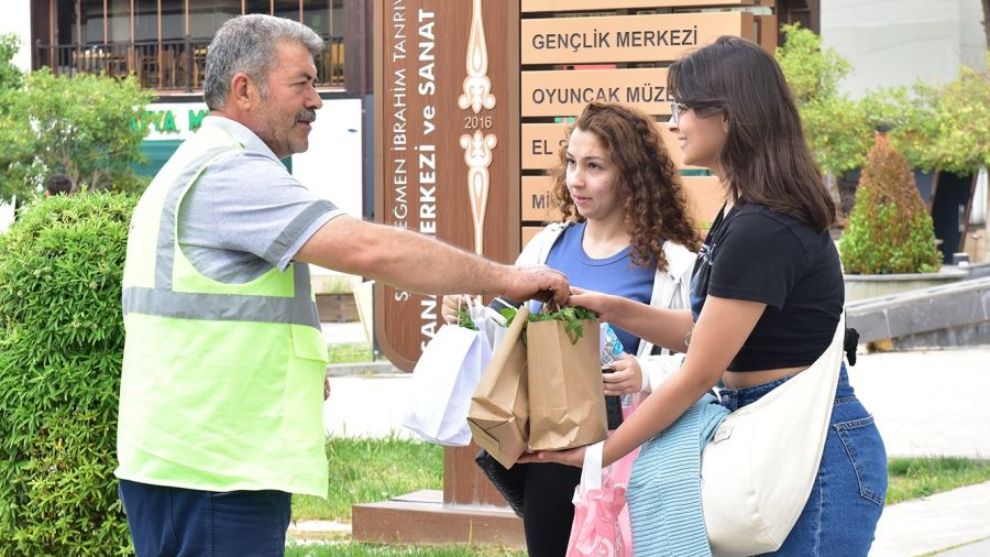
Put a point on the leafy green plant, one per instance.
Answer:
(464, 317)
(61, 343)
(80, 126)
(889, 230)
(508, 313)
(572, 316)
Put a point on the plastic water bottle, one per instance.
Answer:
(611, 349)
(611, 346)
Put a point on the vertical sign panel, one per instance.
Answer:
(446, 127)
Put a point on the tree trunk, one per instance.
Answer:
(986, 21)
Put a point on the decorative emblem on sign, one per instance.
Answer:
(477, 86)
(478, 156)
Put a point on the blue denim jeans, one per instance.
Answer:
(841, 515)
(177, 522)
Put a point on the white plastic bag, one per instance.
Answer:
(444, 380)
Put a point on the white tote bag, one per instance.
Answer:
(443, 382)
(758, 470)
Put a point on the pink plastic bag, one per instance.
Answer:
(601, 517)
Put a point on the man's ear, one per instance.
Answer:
(243, 90)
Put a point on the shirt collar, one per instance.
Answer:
(240, 132)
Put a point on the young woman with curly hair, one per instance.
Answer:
(625, 231)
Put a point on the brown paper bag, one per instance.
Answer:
(566, 398)
(499, 412)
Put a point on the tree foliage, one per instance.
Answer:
(833, 124)
(79, 125)
(936, 126)
(10, 76)
(61, 344)
(889, 230)
(962, 139)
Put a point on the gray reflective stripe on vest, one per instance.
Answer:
(297, 310)
(218, 307)
(166, 229)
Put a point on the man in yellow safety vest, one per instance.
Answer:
(224, 361)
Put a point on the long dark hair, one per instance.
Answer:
(653, 201)
(765, 158)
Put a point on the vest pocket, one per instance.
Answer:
(302, 415)
(308, 343)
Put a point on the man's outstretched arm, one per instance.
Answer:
(414, 262)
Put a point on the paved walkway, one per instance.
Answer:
(926, 403)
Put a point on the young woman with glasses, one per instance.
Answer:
(767, 290)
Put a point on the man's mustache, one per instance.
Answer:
(306, 115)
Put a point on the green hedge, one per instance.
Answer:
(61, 342)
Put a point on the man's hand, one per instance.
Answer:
(537, 282)
(627, 377)
(326, 388)
(570, 457)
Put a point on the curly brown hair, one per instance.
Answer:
(654, 201)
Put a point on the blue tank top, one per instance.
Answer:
(613, 275)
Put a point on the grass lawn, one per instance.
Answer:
(350, 353)
(911, 478)
(369, 550)
(371, 470)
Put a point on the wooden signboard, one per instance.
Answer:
(704, 195)
(447, 120)
(528, 232)
(535, 201)
(566, 92)
(578, 5)
(446, 129)
(705, 198)
(631, 38)
(541, 143)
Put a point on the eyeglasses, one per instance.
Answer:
(675, 112)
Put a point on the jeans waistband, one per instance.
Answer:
(734, 399)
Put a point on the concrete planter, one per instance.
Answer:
(860, 287)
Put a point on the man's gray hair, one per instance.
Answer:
(247, 44)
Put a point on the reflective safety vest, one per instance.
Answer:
(222, 385)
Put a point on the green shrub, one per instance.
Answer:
(61, 343)
(889, 230)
